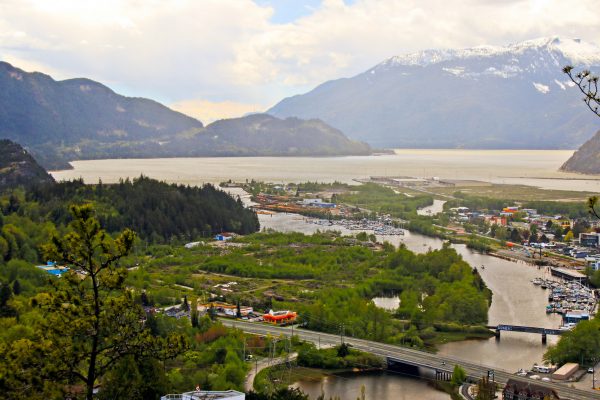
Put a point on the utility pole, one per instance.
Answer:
(342, 334)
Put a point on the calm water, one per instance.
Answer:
(527, 167)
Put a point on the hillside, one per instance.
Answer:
(18, 167)
(484, 97)
(265, 135)
(79, 118)
(60, 121)
(586, 159)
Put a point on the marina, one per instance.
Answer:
(571, 299)
(379, 227)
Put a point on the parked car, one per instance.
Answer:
(590, 370)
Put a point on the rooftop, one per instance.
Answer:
(206, 395)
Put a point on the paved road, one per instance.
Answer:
(262, 364)
(408, 356)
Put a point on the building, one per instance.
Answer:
(589, 239)
(520, 390)
(565, 372)
(223, 236)
(226, 309)
(573, 317)
(568, 274)
(280, 317)
(206, 395)
(53, 269)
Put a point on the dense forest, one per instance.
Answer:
(156, 211)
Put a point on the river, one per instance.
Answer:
(515, 301)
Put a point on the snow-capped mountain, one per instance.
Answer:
(482, 97)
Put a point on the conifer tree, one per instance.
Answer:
(90, 319)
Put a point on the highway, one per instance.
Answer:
(408, 356)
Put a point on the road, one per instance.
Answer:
(408, 356)
(262, 364)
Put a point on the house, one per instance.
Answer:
(520, 390)
(223, 237)
(226, 309)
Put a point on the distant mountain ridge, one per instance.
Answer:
(586, 159)
(78, 118)
(19, 168)
(483, 97)
(60, 121)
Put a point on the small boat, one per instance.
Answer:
(536, 281)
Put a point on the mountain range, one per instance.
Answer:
(60, 121)
(483, 97)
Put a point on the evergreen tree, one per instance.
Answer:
(91, 320)
(185, 306)
(16, 287)
(194, 314)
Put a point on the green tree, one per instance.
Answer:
(568, 237)
(91, 321)
(580, 345)
(459, 375)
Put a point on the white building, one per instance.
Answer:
(206, 395)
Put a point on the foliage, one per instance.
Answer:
(384, 200)
(459, 375)
(91, 321)
(486, 389)
(579, 345)
(336, 358)
(156, 210)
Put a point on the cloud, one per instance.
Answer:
(239, 51)
(208, 111)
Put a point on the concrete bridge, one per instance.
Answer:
(399, 358)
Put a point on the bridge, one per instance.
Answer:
(407, 358)
(527, 329)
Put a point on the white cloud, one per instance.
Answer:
(229, 50)
(208, 111)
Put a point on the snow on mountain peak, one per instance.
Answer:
(576, 51)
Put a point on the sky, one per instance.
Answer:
(215, 59)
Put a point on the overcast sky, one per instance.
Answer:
(222, 58)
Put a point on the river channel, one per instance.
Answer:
(515, 301)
